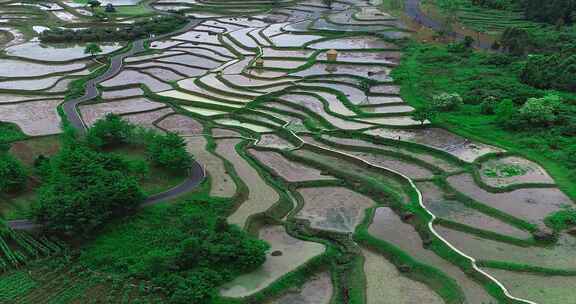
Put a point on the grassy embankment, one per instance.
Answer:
(429, 70)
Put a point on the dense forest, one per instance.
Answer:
(554, 11)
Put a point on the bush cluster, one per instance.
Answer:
(446, 101)
(556, 71)
(195, 250)
(562, 219)
(139, 30)
(167, 150)
(83, 188)
(553, 11)
(495, 98)
(13, 175)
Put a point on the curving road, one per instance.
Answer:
(116, 64)
(196, 176)
(90, 89)
(196, 173)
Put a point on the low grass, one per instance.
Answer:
(10, 132)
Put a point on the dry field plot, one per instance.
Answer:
(512, 170)
(435, 199)
(35, 118)
(181, 124)
(387, 226)
(531, 204)
(92, 112)
(147, 119)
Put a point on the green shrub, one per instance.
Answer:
(423, 114)
(138, 30)
(446, 102)
(169, 151)
(541, 111)
(13, 176)
(195, 250)
(499, 88)
(506, 113)
(494, 4)
(83, 189)
(516, 41)
(556, 71)
(9, 133)
(562, 219)
(488, 106)
(554, 12)
(112, 130)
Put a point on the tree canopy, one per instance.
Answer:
(195, 252)
(112, 130)
(550, 11)
(169, 151)
(13, 175)
(83, 188)
(93, 49)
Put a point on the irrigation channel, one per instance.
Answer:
(292, 110)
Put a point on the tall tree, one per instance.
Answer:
(169, 151)
(93, 49)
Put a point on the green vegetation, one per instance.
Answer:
(93, 49)
(83, 188)
(183, 251)
(504, 171)
(555, 12)
(194, 250)
(13, 175)
(169, 151)
(562, 219)
(9, 133)
(138, 30)
(554, 71)
(497, 106)
(110, 131)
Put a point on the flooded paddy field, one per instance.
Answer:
(318, 152)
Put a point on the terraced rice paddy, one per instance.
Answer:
(357, 200)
